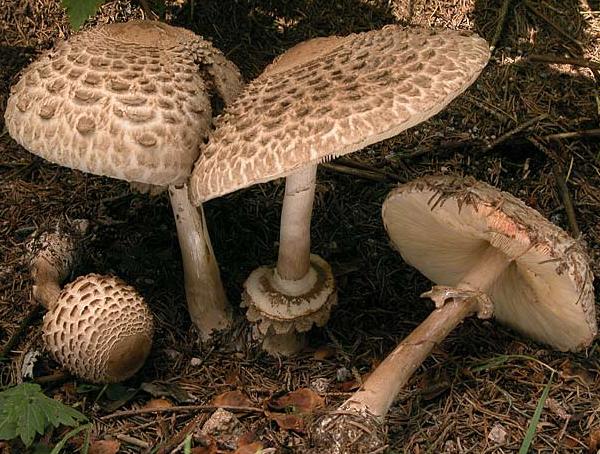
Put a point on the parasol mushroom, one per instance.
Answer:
(489, 254)
(97, 327)
(133, 101)
(324, 98)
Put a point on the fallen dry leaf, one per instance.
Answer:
(252, 448)
(347, 386)
(303, 400)
(287, 421)
(324, 352)
(594, 442)
(247, 438)
(210, 448)
(232, 399)
(157, 403)
(104, 447)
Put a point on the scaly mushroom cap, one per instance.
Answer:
(100, 329)
(331, 96)
(441, 225)
(127, 100)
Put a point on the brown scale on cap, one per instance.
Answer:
(100, 329)
(332, 96)
(123, 100)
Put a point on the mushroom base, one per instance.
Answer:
(281, 309)
(348, 432)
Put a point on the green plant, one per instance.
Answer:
(79, 10)
(25, 411)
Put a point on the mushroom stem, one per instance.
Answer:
(52, 255)
(380, 389)
(294, 242)
(206, 300)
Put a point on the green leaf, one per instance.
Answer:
(25, 411)
(79, 10)
(61, 444)
(530, 434)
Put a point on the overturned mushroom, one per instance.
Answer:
(97, 327)
(321, 99)
(133, 101)
(489, 254)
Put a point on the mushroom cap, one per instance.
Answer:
(441, 225)
(126, 100)
(100, 329)
(331, 96)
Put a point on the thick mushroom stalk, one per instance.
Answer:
(453, 305)
(286, 300)
(321, 99)
(206, 299)
(132, 101)
(481, 246)
(52, 256)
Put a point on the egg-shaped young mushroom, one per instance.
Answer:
(324, 98)
(133, 101)
(488, 254)
(99, 329)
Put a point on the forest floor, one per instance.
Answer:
(521, 127)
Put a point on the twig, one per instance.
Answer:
(553, 24)
(561, 184)
(147, 10)
(338, 345)
(519, 128)
(181, 409)
(500, 25)
(573, 134)
(133, 441)
(33, 312)
(501, 115)
(53, 378)
(178, 437)
(372, 175)
(557, 59)
(442, 147)
(567, 202)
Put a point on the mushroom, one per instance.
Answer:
(133, 101)
(97, 327)
(322, 99)
(489, 254)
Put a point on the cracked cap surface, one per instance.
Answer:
(100, 329)
(126, 100)
(442, 225)
(331, 96)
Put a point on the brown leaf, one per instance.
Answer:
(287, 421)
(594, 443)
(247, 438)
(104, 447)
(157, 403)
(209, 448)
(347, 386)
(232, 399)
(324, 352)
(252, 448)
(303, 400)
